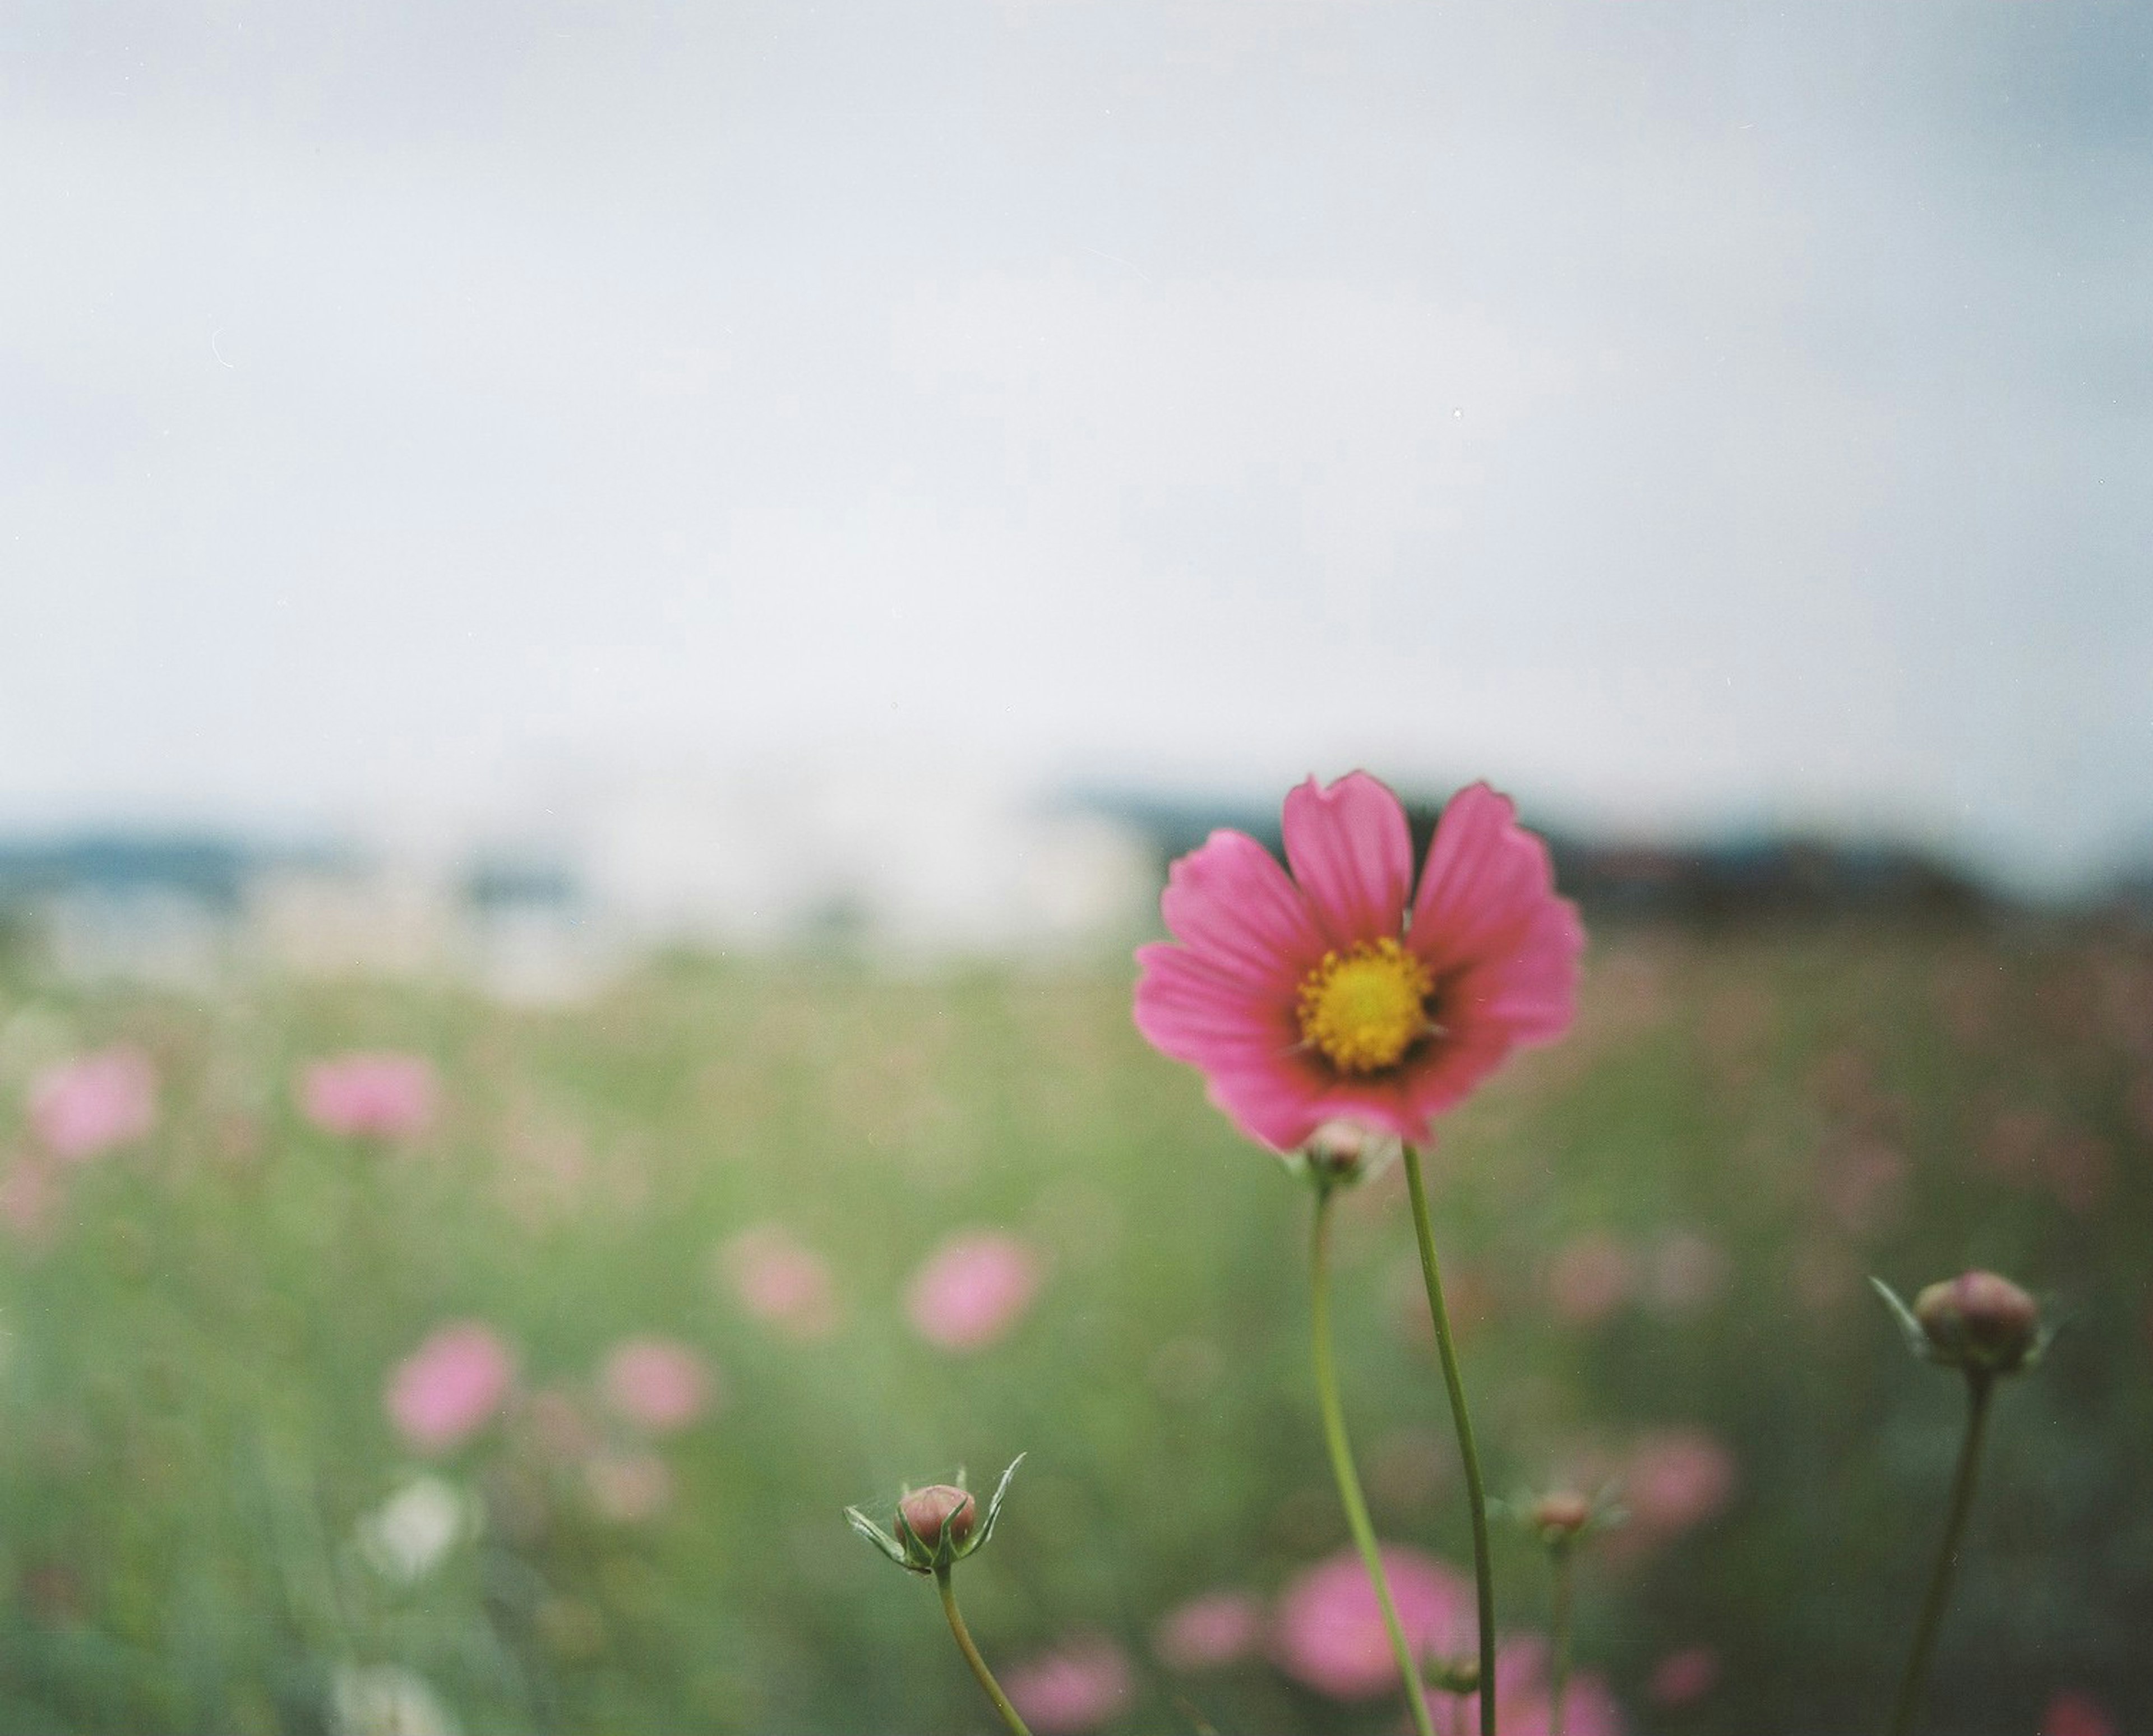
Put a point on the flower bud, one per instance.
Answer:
(936, 1526)
(1980, 1322)
(939, 1514)
(1343, 1151)
(1560, 1516)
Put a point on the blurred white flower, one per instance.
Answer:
(405, 1538)
(387, 1700)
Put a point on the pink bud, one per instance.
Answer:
(1980, 1322)
(940, 1508)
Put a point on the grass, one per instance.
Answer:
(192, 1426)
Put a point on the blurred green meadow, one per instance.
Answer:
(1658, 1235)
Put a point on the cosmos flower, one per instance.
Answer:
(446, 1390)
(87, 1105)
(1525, 1697)
(1329, 1634)
(628, 1487)
(1682, 1677)
(973, 1289)
(408, 1536)
(1340, 993)
(1677, 1478)
(1210, 1631)
(1589, 1278)
(782, 1281)
(656, 1384)
(1083, 1683)
(382, 1096)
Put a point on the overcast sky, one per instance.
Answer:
(1699, 414)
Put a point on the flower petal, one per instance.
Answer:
(1531, 990)
(1245, 1044)
(1488, 926)
(1350, 850)
(1232, 905)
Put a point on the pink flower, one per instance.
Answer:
(656, 1384)
(382, 1096)
(1524, 1704)
(87, 1105)
(444, 1392)
(30, 1196)
(2072, 1713)
(1682, 1677)
(1588, 1709)
(1688, 1270)
(1676, 1478)
(1590, 1278)
(1330, 1633)
(559, 1427)
(1520, 1683)
(1081, 1684)
(973, 1289)
(782, 1281)
(1343, 995)
(1219, 1628)
(628, 1487)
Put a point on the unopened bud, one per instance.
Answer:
(1344, 1151)
(1980, 1322)
(1560, 1516)
(937, 1526)
(940, 1510)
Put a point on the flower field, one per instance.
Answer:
(377, 1358)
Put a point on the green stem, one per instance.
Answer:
(1565, 1585)
(1476, 1495)
(1978, 1388)
(986, 1677)
(1342, 1457)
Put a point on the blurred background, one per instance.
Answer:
(610, 615)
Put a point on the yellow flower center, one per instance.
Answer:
(1364, 1008)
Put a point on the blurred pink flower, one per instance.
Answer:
(1521, 1680)
(1684, 1676)
(656, 1384)
(445, 1390)
(1675, 1478)
(87, 1105)
(1688, 1270)
(1588, 1709)
(560, 1426)
(1080, 1684)
(1328, 1634)
(628, 1487)
(29, 1196)
(2073, 1713)
(973, 1289)
(1341, 994)
(1208, 1631)
(1864, 1185)
(1590, 1278)
(379, 1096)
(782, 1281)
(1524, 1704)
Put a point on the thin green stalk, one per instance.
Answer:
(1565, 1559)
(986, 1677)
(1476, 1494)
(1978, 1388)
(1342, 1457)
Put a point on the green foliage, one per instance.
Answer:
(1664, 1224)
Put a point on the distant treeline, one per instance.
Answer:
(1735, 879)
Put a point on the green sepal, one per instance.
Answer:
(1917, 1340)
(994, 1504)
(875, 1535)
